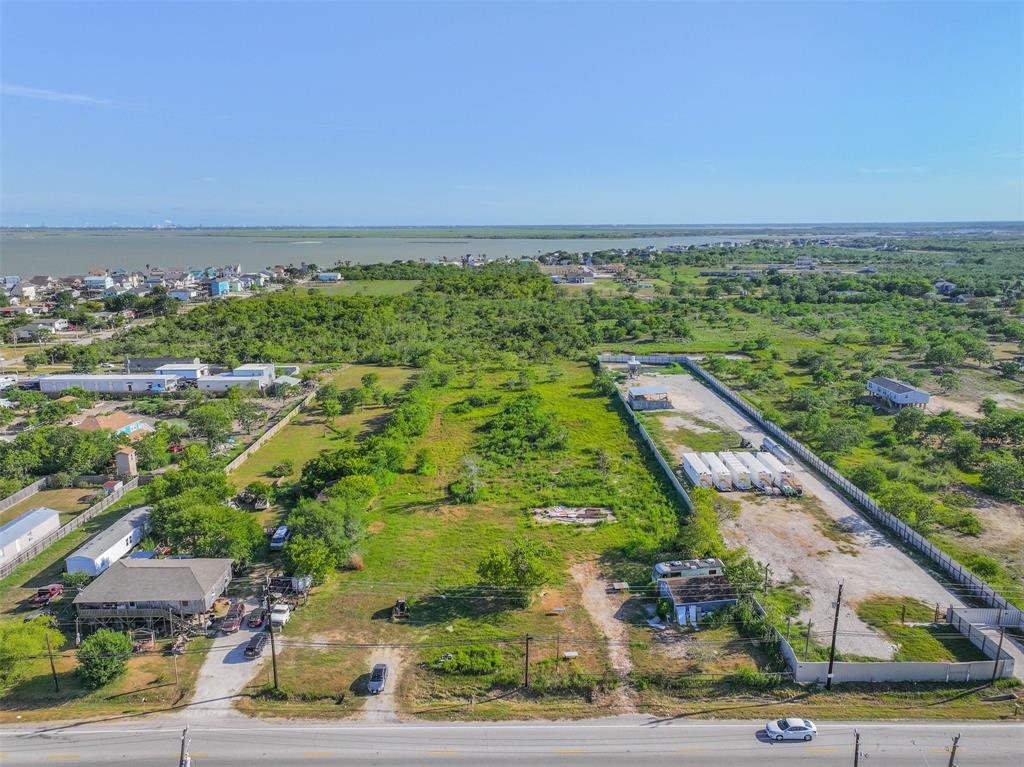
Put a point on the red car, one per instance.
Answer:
(175, 448)
(46, 593)
(233, 620)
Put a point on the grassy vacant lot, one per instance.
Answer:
(70, 501)
(366, 287)
(917, 639)
(148, 685)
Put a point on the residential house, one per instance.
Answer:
(258, 375)
(108, 547)
(17, 311)
(183, 294)
(97, 283)
(897, 394)
(118, 422)
(130, 589)
(26, 291)
(26, 530)
(188, 370)
(219, 287)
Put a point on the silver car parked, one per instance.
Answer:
(791, 728)
(378, 677)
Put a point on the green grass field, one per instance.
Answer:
(69, 501)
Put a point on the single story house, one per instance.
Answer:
(694, 597)
(111, 544)
(649, 398)
(25, 530)
(896, 393)
(118, 422)
(183, 294)
(109, 383)
(151, 364)
(148, 588)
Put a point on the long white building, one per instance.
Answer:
(26, 530)
(110, 545)
(113, 383)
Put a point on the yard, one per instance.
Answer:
(70, 501)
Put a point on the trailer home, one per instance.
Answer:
(696, 470)
(720, 476)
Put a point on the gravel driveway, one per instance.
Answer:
(226, 671)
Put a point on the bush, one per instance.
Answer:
(283, 469)
(471, 660)
(103, 657)
(61, 480)
(982, 566)
(753, 679)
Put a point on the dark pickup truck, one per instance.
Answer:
(233, 620)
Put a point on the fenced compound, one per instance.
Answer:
(1001, 663)
(969, 585)
(8, 567)
(269, 432)
(26, 492)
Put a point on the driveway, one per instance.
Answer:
(226, 671)
(381, 707)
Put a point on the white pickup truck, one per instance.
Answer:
(280, 614)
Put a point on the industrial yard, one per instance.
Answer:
(811, 540)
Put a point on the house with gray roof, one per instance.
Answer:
(897, 394)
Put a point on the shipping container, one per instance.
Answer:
(782, 477)
(720, 476)
(737, 471)
(760, 477)
(696, 470)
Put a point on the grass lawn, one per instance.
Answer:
(148, 685)
(920, 640)
(366, 287)
(70, 501)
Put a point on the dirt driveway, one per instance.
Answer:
(226, 671)
(818, 541)
(604, 609)
(381, 707)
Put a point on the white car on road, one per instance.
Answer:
(792, 728)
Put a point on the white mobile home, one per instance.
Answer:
(110, 545)
(113, 383)
(896, 393)
(696, 470)
(739, 473)
(26, 530)
(720, 476)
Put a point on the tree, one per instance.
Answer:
(103, 657)
(988, 406)
(514, 571)
(425, 465)
(906, 501)
(944, 426)
(211, 422)
(310, 556)
(20, 641)
(964, 449)
(250, 415)
(1002, 475)
(369, 380)
(869, 476)
(841, 437)
(260, 491)
(908, 422)
(949, 381)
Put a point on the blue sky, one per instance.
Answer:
(488, 113)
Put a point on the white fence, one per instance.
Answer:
(970, 586)
(26, 492)
(8, 567)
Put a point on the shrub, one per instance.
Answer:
(471, 660)
(103, 657)
(982, 566)
(753, 679)
(61, 479)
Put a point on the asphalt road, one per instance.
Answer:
(608, 743)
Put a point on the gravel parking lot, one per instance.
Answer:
(819, 540)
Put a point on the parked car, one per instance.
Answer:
(233, 620)
(45, 594)
(378, 678)
(280, 538)
(280, 614)
(255, 647)
(256, 618)
(791, 728)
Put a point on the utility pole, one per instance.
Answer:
(184, 760)
(526, 671)
(856, 748)
(766, 579)
(273, 648)
(807, 640)
(952, 753)
(53, 669)
(835, 630)
(999, 650)
(174, 658)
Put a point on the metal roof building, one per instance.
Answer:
(141, 588)
(26, 530)
(896, 393)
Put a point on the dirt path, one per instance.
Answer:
(603, 611)
(381, 707)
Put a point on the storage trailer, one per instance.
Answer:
(696, 470)
(720, 476)
(770, 446)
(782, 477)
(737, 471)
(760, 477)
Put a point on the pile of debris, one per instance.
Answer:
(574, 515)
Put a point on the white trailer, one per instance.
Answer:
(782, 477)
(769, 445)
(737, 471)
(696, 470)
(720, 476)
(760, 477)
